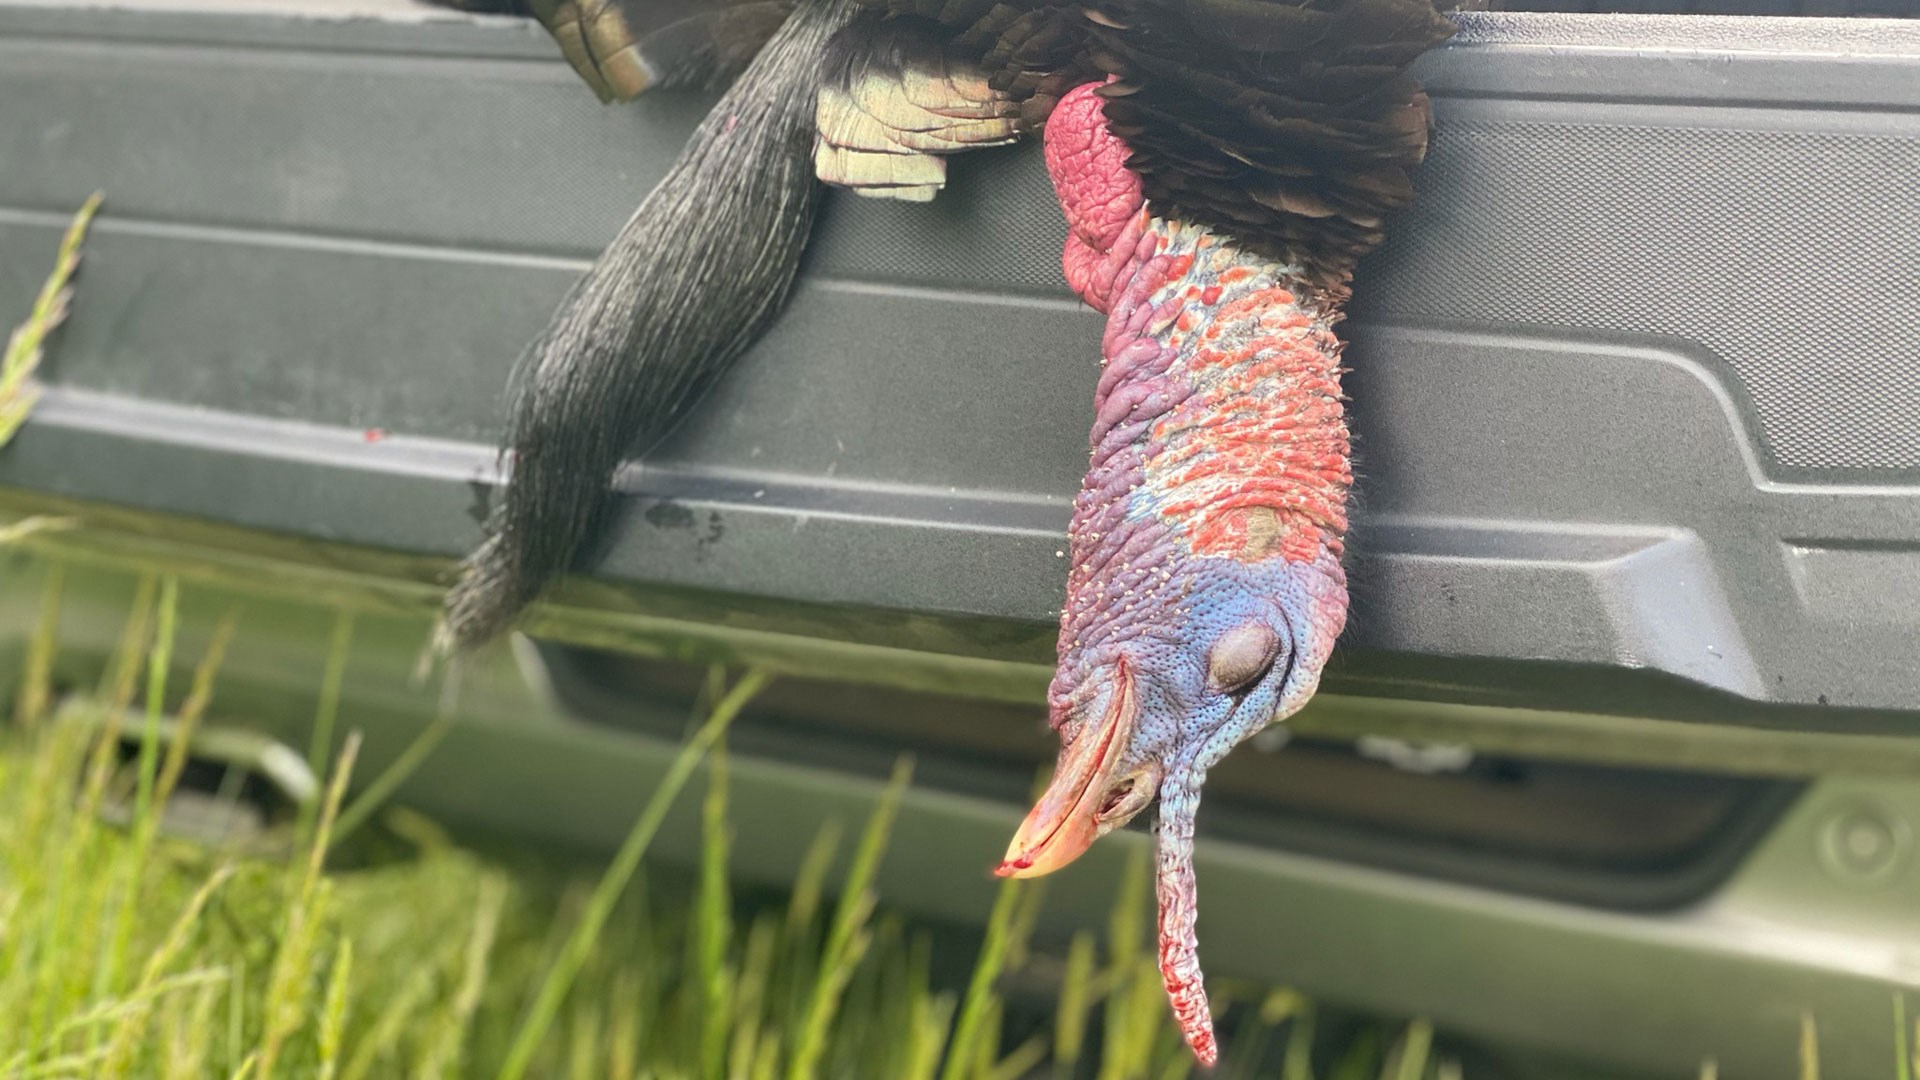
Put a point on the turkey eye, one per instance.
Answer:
(1241, 656)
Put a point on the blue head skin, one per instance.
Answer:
(1151, 697)
(1145, 708)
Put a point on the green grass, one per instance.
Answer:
(128, 952)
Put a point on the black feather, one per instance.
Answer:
(1288, 124)
(695, 276)
(621, 48)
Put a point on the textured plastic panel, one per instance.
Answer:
(1633, 384)
(1821, 361)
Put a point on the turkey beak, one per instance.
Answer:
(1066, 820)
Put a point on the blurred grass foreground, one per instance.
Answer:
(322, 948)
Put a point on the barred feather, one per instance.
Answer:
(623, 48)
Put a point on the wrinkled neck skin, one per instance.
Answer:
(1217, 486)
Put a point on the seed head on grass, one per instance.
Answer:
(333, 1018)
(133, 1021)
(19, 391)
(714, 935)
(288, 986)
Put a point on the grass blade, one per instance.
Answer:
(133, 1022)
(1415, 1048)
(559, 979)
(811, 882)
(123, 897)
(333, 1017)
(846, 941)
(443, 1055)
(1129, 915)
(159, 662)
(1809, 1048)
(383, 1040)
(1070, 1014)
(1022, 1062)
(714, 932)
(36, 676)
(1298, 1063)
(199, 697)
(283, 1010)
(422, 747)
(1903, 1058)
(998, 942)
(326, 711)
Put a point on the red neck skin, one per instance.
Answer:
(1216, 492)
